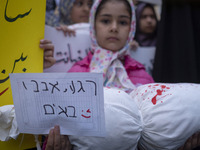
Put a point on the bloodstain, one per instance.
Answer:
(159, 92)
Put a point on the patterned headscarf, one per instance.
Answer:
(108, 62)
(65, 11)
(63, 14)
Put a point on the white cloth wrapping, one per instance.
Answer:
(8, 123)
(154, 116)
(123, 125)
(171, 114)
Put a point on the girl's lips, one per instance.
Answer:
(149, 27)
(112, 39)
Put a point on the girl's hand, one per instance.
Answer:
(66, 30)
(48, 48)
(134, 45)
(192, 142)
(56, 141)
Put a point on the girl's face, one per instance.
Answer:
(112, 25)
(80, 11)
(135, 2)
(147, 21)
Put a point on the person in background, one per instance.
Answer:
(146, 26)
(135, 2)
(178, 47)
(51, 7)
(57, 2)
(70, 12)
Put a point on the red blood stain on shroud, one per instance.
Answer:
(3, 91)
(159, 92)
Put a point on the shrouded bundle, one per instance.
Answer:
(154, 116)
(170, 112)
(122, 121)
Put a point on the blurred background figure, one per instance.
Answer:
(146, 25)
(143, 47)
(135, 2)
(57, 2)
(71, 12)
(178, 47)
(51, 6)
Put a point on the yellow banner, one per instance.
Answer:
(21, 29)
(23, 142)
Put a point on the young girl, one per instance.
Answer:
(112, 28)
(71, 12)
(146, 27)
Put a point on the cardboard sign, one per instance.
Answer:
(68, 49)
(21, 29)
(144, 55)
(74, 101)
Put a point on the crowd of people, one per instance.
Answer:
(115, 27)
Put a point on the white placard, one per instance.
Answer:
(68, 49)
(144, 55)
(74, 101)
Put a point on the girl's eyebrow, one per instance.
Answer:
(125, 16)
(105, 15)
(108, 15)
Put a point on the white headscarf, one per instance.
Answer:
(108, 62)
